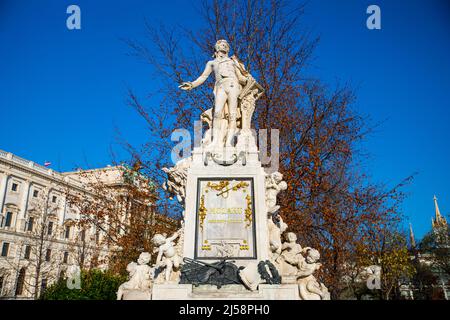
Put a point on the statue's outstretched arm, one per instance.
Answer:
(172, 237)
(199, 80)
(159, 257)
(203, 76)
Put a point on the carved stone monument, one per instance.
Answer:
(139, 285)
(231, 244)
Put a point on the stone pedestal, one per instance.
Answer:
(227, 292)
(234, 168)
(137, 295)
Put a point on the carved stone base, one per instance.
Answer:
(227, 292)
(137, 295)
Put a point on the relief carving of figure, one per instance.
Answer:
(224, 250)
(274, 185)
(140, 279)
(248, 107)
(168, 257)
(276, 228)
(177, 178)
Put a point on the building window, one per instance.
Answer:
(48, 255)
(2, 278)
(15, 187)
(27, 252)
(65, 257)
(83, 235)
(35, 193)
(54, 198)
(8, 219)
(20, 282)
(43, 285)
(30, 224)
(50, 228)
(67, 233)
(5, 249)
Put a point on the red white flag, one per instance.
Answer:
(47, 163)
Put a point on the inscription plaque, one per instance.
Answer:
(225, 222)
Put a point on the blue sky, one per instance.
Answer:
(62, 92)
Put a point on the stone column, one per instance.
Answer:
(62, 212)
(24, 202)
(3, 184)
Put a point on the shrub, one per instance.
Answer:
(95, 285)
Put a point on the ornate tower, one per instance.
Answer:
(439, 221)
(439, 226)
(411, 237)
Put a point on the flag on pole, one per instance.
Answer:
(47, 163)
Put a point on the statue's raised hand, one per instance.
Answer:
(186, 86)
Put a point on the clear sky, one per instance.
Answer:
(62, 92)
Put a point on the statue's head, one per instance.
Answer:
(222, 46)
(144, 258)
(277, 176)
(312, 256)
(291, 237)
(159, 239)
(131, 267)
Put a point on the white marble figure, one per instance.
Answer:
(274, 185)
(168, 257)
(276, 229)
(247, 108)
(140, 279)
(228, 85)
(177, 178)
(309, 287)
(206, 117)
(290, 248)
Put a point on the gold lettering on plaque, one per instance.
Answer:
(248, 211)
(202, 211)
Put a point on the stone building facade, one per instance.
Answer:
(39, 238)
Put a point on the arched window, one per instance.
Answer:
(30, 224)
(67, 231)
(43, 285)
(20, 282)
(8, 219)
(9, 216)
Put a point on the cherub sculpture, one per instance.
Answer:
(140, 277)
(274, 185)
(309, 287)
(168, 257)
(290, 248)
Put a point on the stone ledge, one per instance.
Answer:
(228, 292)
